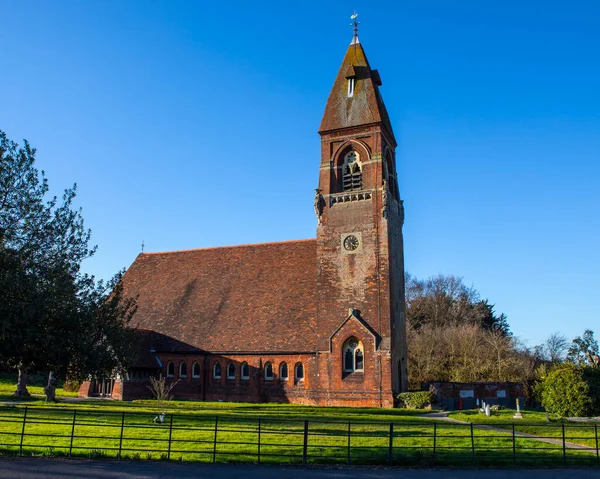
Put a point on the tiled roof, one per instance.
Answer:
(249, 298)
(365, 106)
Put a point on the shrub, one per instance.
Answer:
(416, 400)
(564, 391)
(71, 386)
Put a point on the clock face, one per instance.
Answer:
(351, 243)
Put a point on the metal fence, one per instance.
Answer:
(232, 438)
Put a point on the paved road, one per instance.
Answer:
(36, 468)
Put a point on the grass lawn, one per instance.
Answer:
(275, 433)
(335, 435)
(534, 422)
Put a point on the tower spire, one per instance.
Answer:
(355, 23)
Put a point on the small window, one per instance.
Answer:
(183, 370)
(170, 369)
(231, 371)
(245, 371)
(268, 372)
(283, 372)
(195, 370)
(358, 360)
(350, 87)
(217, 371)
(353, 355)
(299, 372)
(351, 174)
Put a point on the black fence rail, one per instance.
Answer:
(227, 438)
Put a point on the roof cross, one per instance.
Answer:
(355, 23)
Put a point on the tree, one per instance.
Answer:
(48, 307)
(554, 348)
(565, 391)
(454, 335)
(446, 301)
(584, 350)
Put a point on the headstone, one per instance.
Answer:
(488, 410)
(518, 414)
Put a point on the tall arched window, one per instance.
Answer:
(182, 369)
(217, 371)
(245, 371)
(268, 372)
(231, 371)
(283, 371)
(351, 172)
(195, 370)
(353, 352)
(170, 369)
(299, 372)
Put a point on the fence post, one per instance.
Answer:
(391, 446)
(597, 450)
(514, 445)
(434, 439)
(349, 460)
(170, 436)
(305, 449)
(121, 436)
(72, 431)
(472, 445)
(564, 444)
(23, 432)
(259, 440)
(215, 444)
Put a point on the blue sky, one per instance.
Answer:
(194, 124)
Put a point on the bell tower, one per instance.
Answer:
(360, 262)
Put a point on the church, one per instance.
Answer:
(315, 322)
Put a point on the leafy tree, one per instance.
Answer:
(566, 392)
(584, 350)
(49, 309)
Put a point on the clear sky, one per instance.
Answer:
(194, 124)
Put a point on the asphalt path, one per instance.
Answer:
(37, 468)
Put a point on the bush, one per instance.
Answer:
(566, 392)
(416, 400)
(71, 386)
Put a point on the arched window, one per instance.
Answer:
(283, 371)
(217, 371)
(245, 371)
(182, 369)
(353, 355)
(299, 372)
(170, 369)
(351, 172)
(268, 372)
(231, 371)
(195, 370)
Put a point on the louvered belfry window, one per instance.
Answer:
(352, 178)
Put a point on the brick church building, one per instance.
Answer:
(318, 321)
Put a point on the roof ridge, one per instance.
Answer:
(306, 240)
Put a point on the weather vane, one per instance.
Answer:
(143, 246)
(355, 23)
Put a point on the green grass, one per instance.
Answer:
(534, 422)
(97, 433)
(8, 385)
(98, 426)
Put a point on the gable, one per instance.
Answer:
(354, 321)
